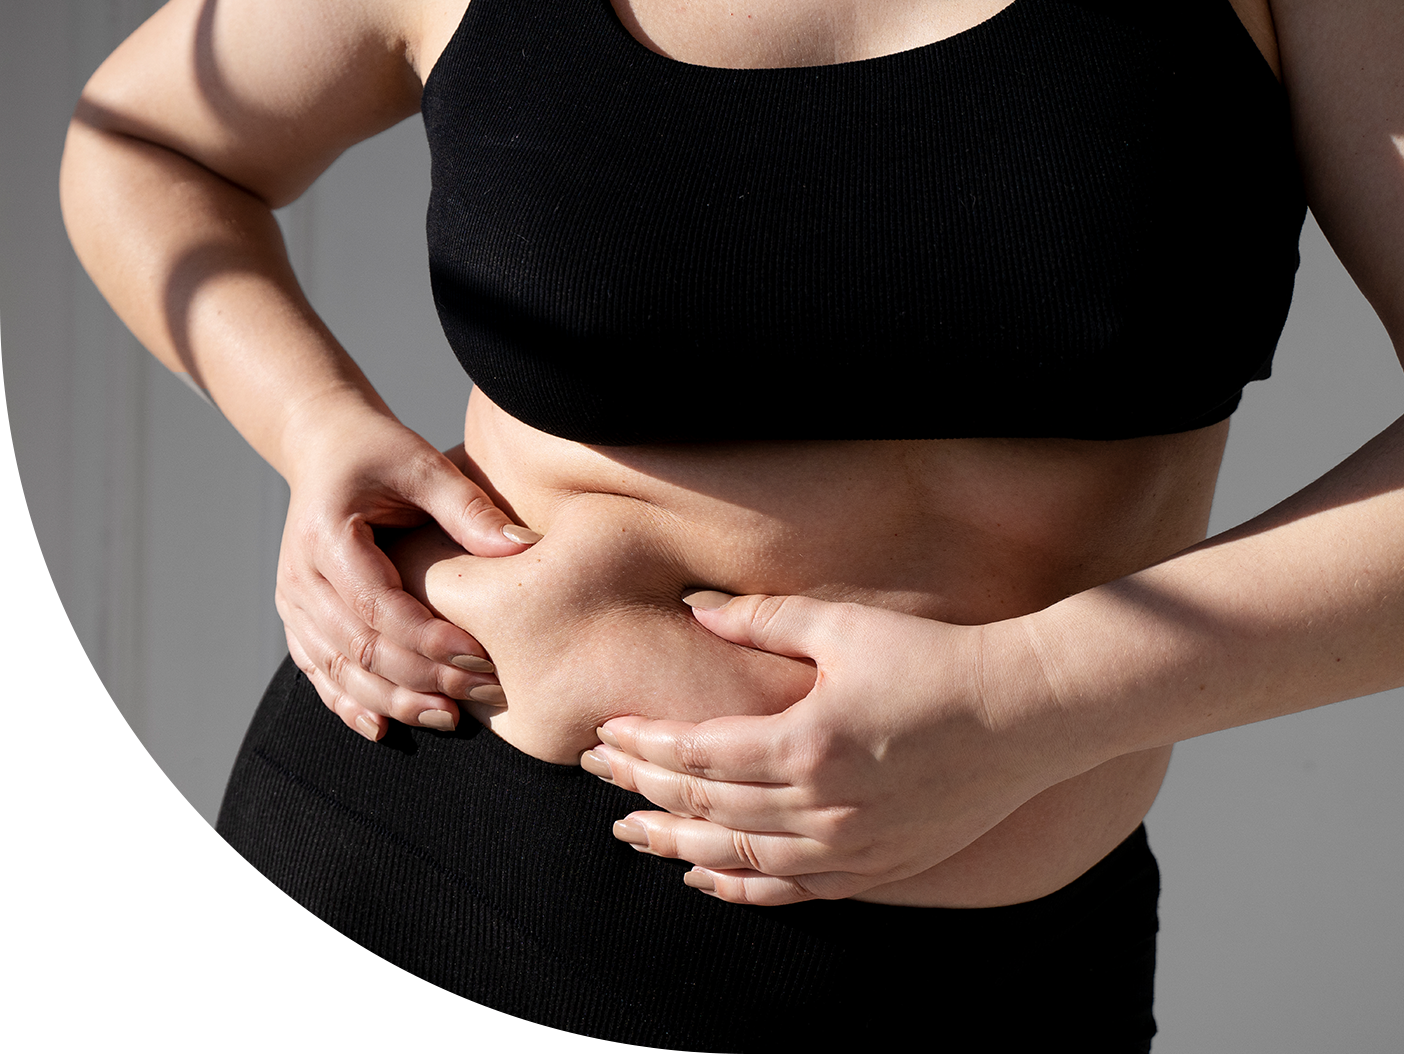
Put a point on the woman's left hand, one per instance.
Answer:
(918, 737)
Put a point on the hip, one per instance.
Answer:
(493, 874)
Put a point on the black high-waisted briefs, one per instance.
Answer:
(494, 875)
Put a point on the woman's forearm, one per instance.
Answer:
(1303, 605)
(196, 267)
(1299, 607)
(920, 737)
(185, 139)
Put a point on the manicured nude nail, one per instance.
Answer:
(368, 728)
(473, 664)
(699, 879)
(706, 599)
(521, 535)
(608, 738)
(596, 765)
(630, 831)
(441, 720)
(492, 694)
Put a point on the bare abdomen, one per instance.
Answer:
(589, 624)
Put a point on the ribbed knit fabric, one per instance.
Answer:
(1078, 219)
(494, 875)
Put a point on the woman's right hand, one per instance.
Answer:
(372, 651)
(205, 120)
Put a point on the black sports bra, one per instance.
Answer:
(1077, 219)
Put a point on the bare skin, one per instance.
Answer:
(213, 113)
(589, 624)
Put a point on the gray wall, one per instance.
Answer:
(1280, 844)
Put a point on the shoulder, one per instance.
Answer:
(268, 92)
(1343, 69)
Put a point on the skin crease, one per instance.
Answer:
(589, 623)
(168, 177)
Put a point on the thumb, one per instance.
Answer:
(469, 516)
(799, 627)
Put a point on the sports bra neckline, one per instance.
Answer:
(618, 24)
(604, 10)
(609, 18)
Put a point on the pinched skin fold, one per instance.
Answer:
(589, 623)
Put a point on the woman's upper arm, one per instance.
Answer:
(266, 93)
(1343, 66)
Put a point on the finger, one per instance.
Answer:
(336, 630)
(355, 717)
(465, 513)
(369, 585)
(740, 887)
(799, 627)
(748, 749)
(345, 681)
(713, 845)
(746, 806)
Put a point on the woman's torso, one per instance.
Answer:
(589, 624)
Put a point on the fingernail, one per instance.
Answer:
(441, 720)
(608, 738)
(368, 728)
(596, 765)
(706, 599)
(492, 694)
(699, 879)
(473, 664)
(520, 535)
(630, 831)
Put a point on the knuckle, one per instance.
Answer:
(743, 846)
(695, 799)
(480, 507)
(336, 668)
(814, 752)
(810, 887)
(663, 841)
(336, 700)
(437, 640)
(739, 891)
(454, 683)
(420, 471)
(404, 705)
(621, 768)
(693, 753)
(766, 611)
(370, 605)
(841, 827)
(365, 648)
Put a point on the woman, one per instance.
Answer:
(1083, 219)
